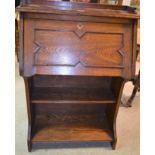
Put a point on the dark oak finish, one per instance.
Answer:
(75, 59)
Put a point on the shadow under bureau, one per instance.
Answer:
(75, 58)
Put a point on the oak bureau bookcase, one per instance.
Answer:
(75, 59)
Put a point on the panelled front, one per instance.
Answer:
(77, 48)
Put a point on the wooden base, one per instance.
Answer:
(72, 112)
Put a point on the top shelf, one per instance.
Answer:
(74, 8)
(72, 89)
(72, 95)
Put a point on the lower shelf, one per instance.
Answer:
(60, 128)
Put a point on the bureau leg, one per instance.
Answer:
(117, 87)
(28, 88)
(136, 83)
(29, 144)
(113, 144)
(129, 103)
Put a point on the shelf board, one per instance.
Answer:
(72, 95)
(63, 128)
(73, 102)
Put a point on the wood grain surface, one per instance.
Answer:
(75, 59)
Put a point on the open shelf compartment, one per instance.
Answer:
(68, 122)
(71, 89)
(72, 108)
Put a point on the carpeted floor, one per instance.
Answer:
(127, 129)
